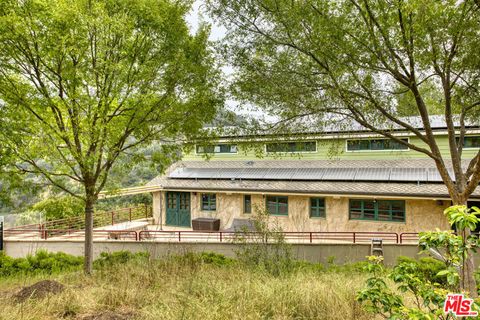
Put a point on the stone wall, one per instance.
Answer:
(421, 215)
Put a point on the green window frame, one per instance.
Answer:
(277, 205)
(375, 145)
(317, 208)
(377, 210)
(291, 147)
(471, 142)
(217, 148)
(209, 202)
(247, 203)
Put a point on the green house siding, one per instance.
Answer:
(336, 148)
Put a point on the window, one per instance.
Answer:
(471, 142)
(317, 208)
(380, 210)
(277, 205)
(247, 203)
(307, 146)
(209, 202)
(218, 148)
(375, 144)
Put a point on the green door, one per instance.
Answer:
(178, 209)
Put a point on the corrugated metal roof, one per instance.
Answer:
(311, 174)
(308, 176)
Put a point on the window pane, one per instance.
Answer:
(383, 215)
(368, 204)
(218, 148)
(383, 205)
(382, 210)
(307, 146)
(277, 205)
(398, 216)
(471, 142)
(378, 144)
(247, 204)
(355, 214)
(375, 144)
(356, 204)
(282, 209)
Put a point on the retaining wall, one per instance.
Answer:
(343, 253)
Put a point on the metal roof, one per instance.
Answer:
(311, 174)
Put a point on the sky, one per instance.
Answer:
(199, 15)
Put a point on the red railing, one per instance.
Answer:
(58, 234)
(211, 236)
(77, 224)
(226, 236)
(408, 237)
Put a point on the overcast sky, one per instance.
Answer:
(198, 15)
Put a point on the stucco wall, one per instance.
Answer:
(421, 215)
(343, 253)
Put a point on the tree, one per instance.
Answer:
(84, 82)
(315, 62)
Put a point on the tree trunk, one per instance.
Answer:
(467, 271)
(88, 263)
(467, 279)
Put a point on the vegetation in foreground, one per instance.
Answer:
(201, 286)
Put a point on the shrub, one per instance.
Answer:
(216, 259)
(60, 207)
(41, 262)
(428, 267)
(119, 257)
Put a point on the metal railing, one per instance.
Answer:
(305, 237)
(210, 236)
(408, 237)
(77, 224)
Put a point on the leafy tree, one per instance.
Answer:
(429, 296)
(84, 82)
(318, 62)
(59, 207)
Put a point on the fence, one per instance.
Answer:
(74, 226)
(204, 236)
(225, 236)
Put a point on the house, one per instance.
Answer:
(335, 180)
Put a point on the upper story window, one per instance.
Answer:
(305, 146)
(218, 148)
(375, 145)
(471, 142)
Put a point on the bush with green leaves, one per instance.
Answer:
(427, 281)
(428, 267)
(107, 259)
(42, 262)
(265, 248)
(60, 207)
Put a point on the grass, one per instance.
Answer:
(186, 288)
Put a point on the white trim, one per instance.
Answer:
(370, 151)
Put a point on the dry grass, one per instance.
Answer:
(179, 290)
